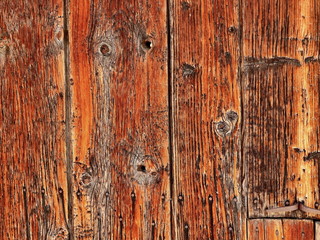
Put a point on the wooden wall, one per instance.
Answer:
(159, 119)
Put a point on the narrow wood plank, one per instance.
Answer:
(33, 189)
(120, 108)
(281, 70)
(280, 229)
(317, 229)
(207, 168)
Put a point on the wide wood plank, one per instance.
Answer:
(120, 129)
(33, 189)
(280, 229)
(207, 169)
(281, 71)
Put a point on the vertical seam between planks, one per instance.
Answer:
(68, 137)
(244, 175)
(170, 116)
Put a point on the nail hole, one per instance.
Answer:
(180, 198)
(105, 49)
(232, 29)
(141, 168)
(147, 44)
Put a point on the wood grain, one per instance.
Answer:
(120, 127)
(317, 230)
(281, 100)
(33, 189)
(206, 117)
(280, 229)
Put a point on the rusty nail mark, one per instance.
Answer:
(180, 198)
(316, 205)
(133, 195)
(210, 198)
(287, 203)
(255, 200)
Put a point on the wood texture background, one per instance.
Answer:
(278, 229)
(167, 119)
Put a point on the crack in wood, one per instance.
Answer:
(251, 63)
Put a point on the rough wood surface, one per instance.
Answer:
(280, 92)
(207, 168)
(317, 230)
(280, 229)
(33, 189)
(159, 119)
(120, 129)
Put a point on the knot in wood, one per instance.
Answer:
(145, 169)
(231, 116)
(86, 180)
(222, 128)
(105, 49)
(227, 124)
(188, 70)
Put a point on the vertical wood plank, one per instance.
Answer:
(207, 169)
(317, 229)
(120, 130)
(280, 229)
(33, 189)
(281, 101)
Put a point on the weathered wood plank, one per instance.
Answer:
(281, 74)
(207, 168)
(280, 229)
(120, 130)
(317, 230)
(33, 189)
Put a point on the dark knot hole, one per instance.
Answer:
(147, 44)
(141, 168)
(105, 49)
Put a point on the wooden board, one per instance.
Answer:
(280, 229)
(33, 189)
(120, 128)
(281, 73)
(317, 230)
(206, 117)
